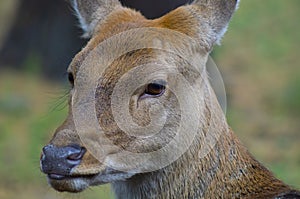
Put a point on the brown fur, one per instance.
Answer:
(228, 171)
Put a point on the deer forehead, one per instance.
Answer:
(124, 20)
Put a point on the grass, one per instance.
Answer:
(260, 66)
(30, 110)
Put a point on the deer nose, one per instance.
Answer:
(58, 162)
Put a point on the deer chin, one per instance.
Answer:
(73, 184)
(76, 183)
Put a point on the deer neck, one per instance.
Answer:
(223, 170)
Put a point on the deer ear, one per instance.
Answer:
(206, 20)
(91, 12)
(215, 16)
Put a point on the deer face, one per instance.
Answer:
(134, 84)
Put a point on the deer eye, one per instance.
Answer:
(71, 78)
(155, 89)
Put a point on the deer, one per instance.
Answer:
(152, 97)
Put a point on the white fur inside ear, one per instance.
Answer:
(237, 4)
(220, 35)
(224, 30)
(82, 21)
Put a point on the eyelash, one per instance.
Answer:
(153, 90)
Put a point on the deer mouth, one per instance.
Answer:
(54, 176)
(77, 183)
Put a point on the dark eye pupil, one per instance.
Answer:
(71, 78)
(154, 89)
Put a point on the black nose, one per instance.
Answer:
(57, 162)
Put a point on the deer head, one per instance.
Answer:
(140, 95)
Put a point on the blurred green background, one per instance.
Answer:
(259, 60)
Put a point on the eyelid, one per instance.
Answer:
(159, 81)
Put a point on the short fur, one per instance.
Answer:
(228, 171)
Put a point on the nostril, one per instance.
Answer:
(76, 154)
(58, 161)
(42, 156)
